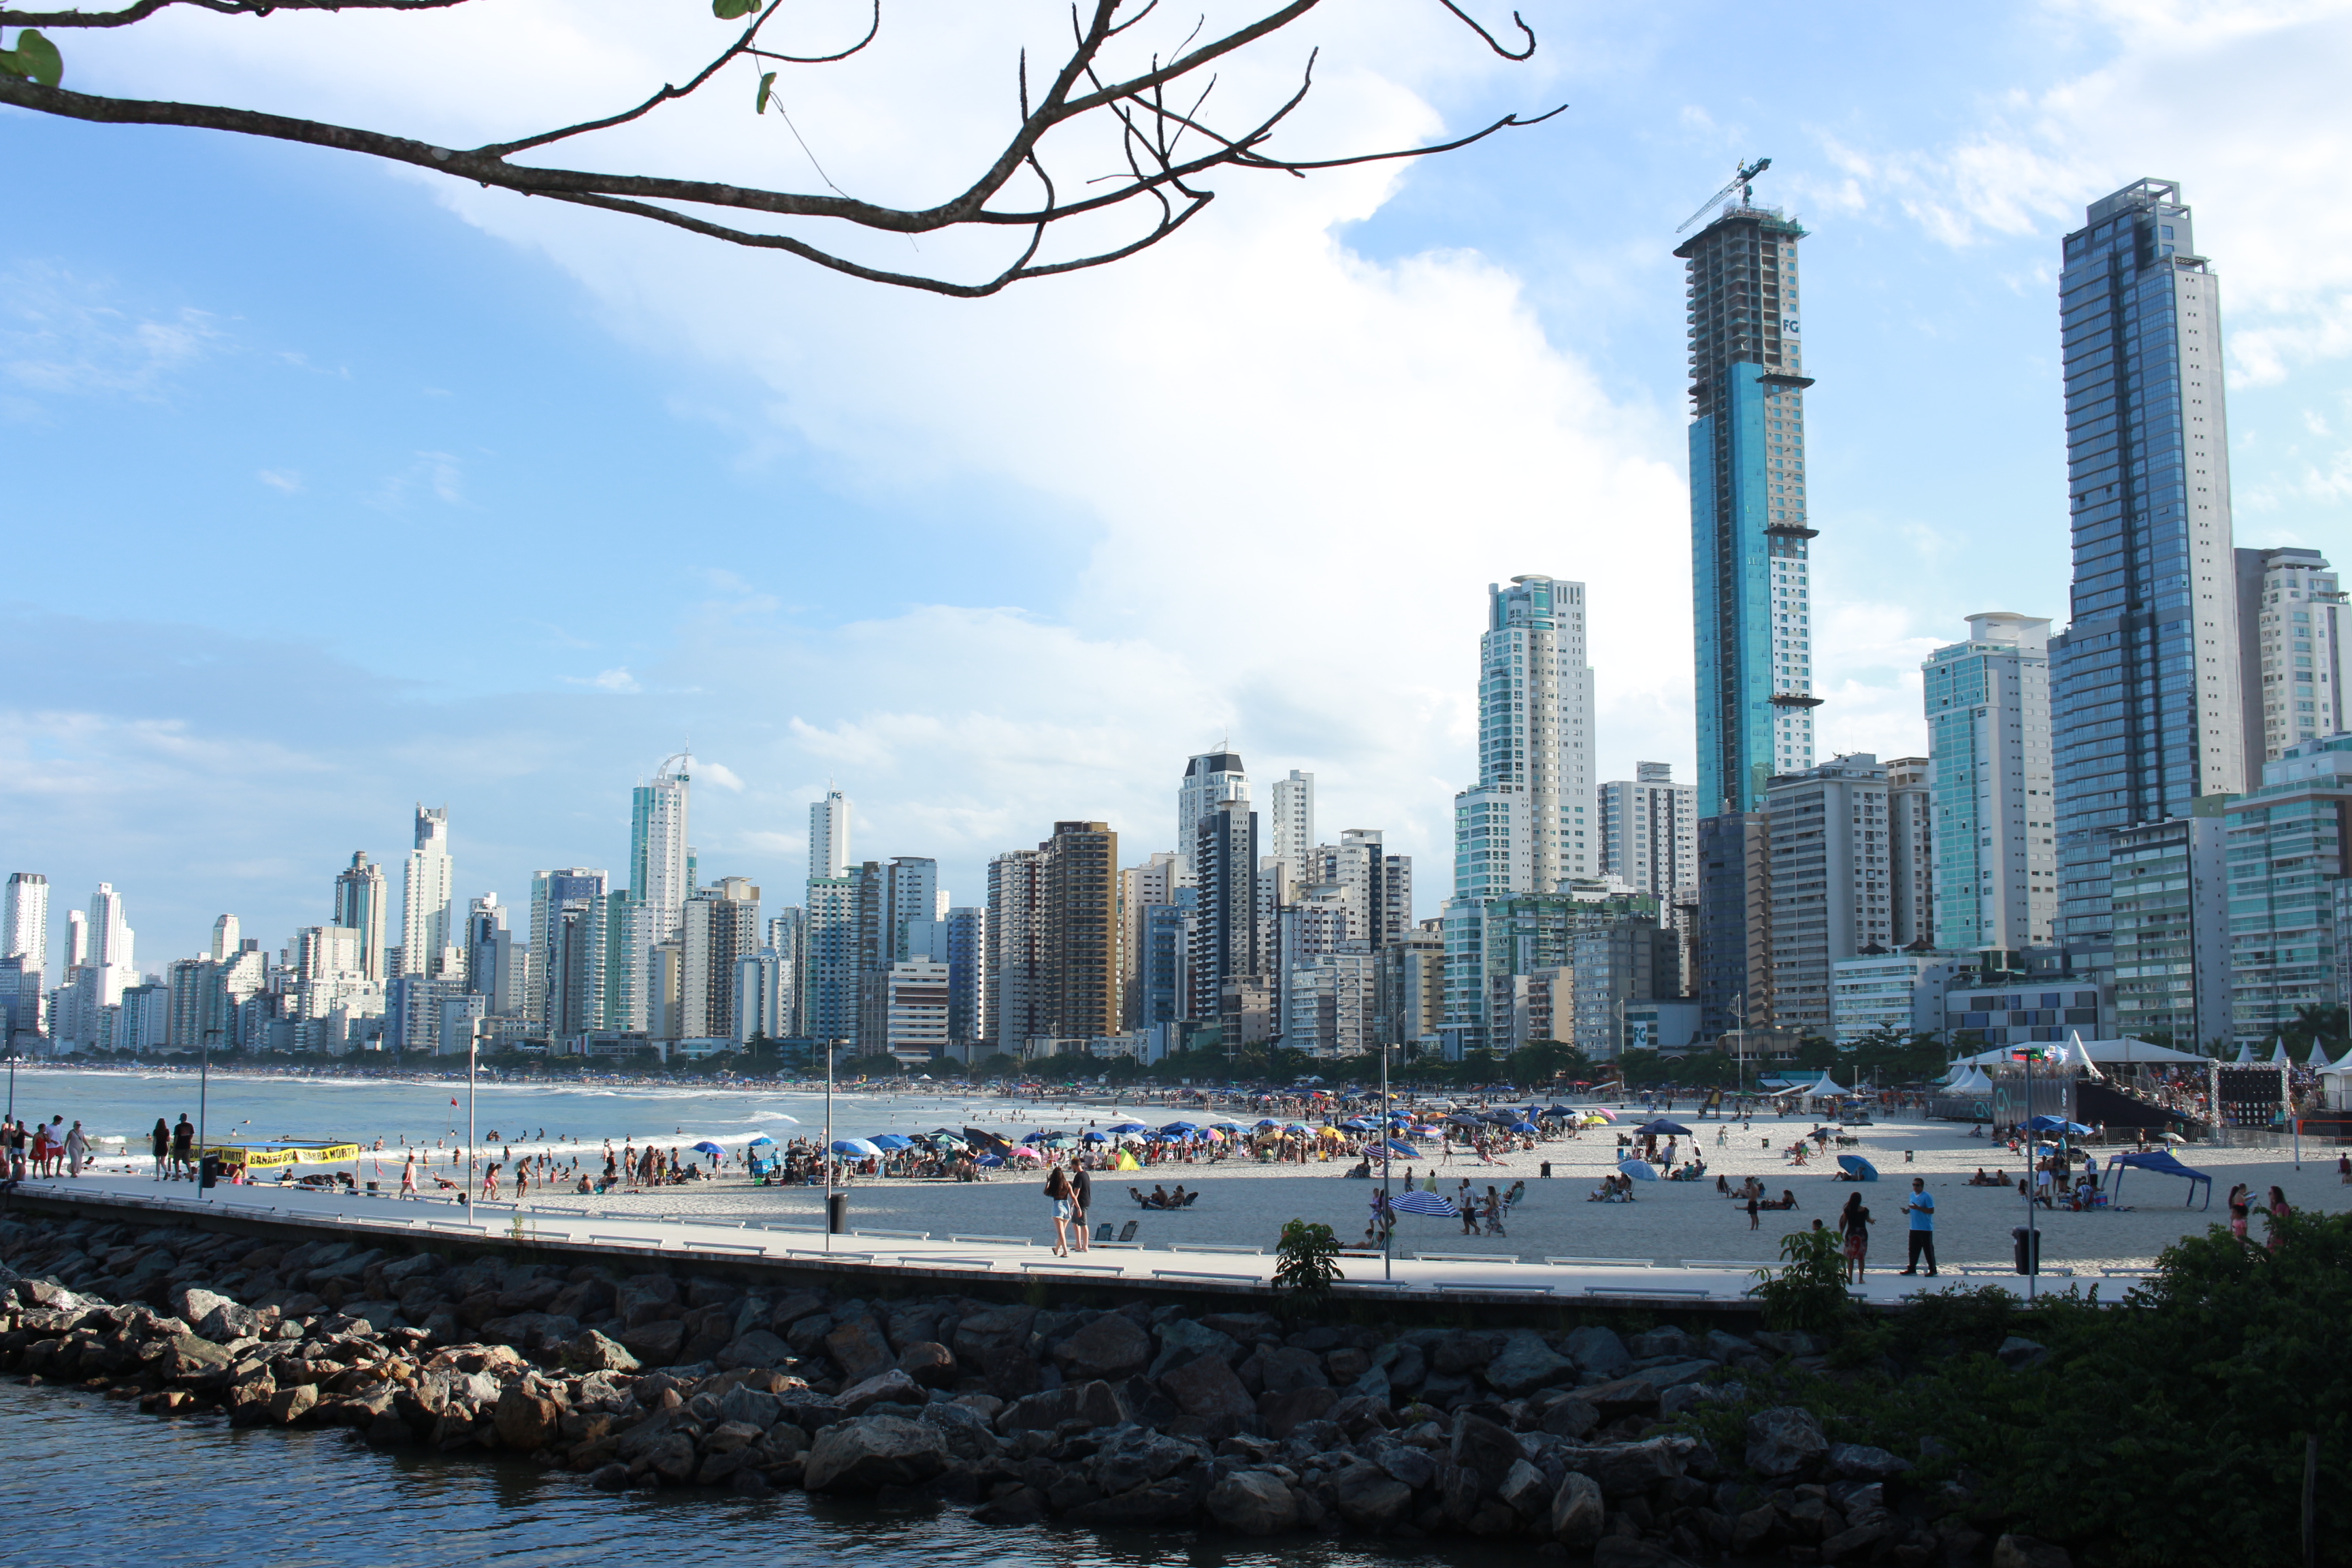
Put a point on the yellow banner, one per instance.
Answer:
(258, 1159)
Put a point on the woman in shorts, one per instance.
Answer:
(1853, 1224)
(1064, 1202)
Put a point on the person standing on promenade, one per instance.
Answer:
(161, 1139)
(1853, 1224)
(1081, 1201)
(76, 1149)
(1057, 1192)
(184, 1146)
(408, 1176)
(1922, 1210)
(2279, 1211)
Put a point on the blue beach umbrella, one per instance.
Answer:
(1127, 1127)
(1266, 1122)
(1093, 1138)
(1640, 1169)
(762, 1138)
(891, 1140)
(1181, 1127)
(859, 1146)
(1405, 1149)
(1523, 1127)
(713, 1150)
(1860, 1169)
(1418, 1202)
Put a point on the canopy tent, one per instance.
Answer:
(2057, 1124)
(1662, 1127)
(2317, 1062)
(2245, 1056)
(1860, 1169)
(1640, 1169)
(281, 1152)
(986, 1142)
(1969, 1080)
(2279, 1059)
(2106, 1052)
(2161, 1161)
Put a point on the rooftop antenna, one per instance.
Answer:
(1742, 182)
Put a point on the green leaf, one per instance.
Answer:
(767, 84)
(733, 10)
(33, 57)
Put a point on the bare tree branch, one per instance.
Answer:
(1148, 130)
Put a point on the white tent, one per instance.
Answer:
(1969, 1080)
(2106, 1052)
(2245, 1056)
(2077, 1055)
(2318, 1060)
(2279, 1059)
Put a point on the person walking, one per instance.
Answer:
(1755, 1196)
(184, 1148)
(161, 1139)
(1081, 1201)
(2238, 1207)
(1922, 1210)
(1853, 1224)
(2343, 1169)
(76, 1149)
(1057, 1192)
(2279, 1211)
(408, 1176)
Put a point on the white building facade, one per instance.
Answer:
(1992, 810)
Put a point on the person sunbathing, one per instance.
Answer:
(1786, 1200)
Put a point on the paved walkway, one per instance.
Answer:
(1422, 1272)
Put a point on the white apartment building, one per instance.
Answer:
(2291, 658)
(25, 919)
(1532, 821)
(426, 879)
(828, 836)
(1898, 991)
(1289, 825)
(1649, 833)
(918, 1009)
(1842, 880)
(1989, 777)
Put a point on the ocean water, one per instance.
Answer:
(126, 1104)
(83, 1478)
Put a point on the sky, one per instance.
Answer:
(335, 487)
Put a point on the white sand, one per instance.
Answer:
(1245, 1203)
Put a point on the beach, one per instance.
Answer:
(1242, 1202)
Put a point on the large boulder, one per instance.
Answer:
(639, 1299)
(656, 1343)
(1622, 1469)
(875, 1451)
(1284, 1411)
(858, 1348)
(1095, 1402)
(1861, 1462)
(755, 1349)
(1526, 1364)
(1110, 1348)
(591, 1352)
(1487, 1450)
(1599, 1354)
(890, 1386)
(1183, 1342)
(1369, 1498)
(525, 1422)
(1286, 1368)
(1577, 1510)
(1137, 1457)
(929, 1363)
(978, 1334)
(1207, 1387)
(1252, 1502)
(1784, 1440)
(752, 1406)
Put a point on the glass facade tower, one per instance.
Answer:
(1752, 608)
(2145, 708)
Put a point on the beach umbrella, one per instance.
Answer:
(1640, 1169)
(980, 1138)
(1221, 1126)
(1662, 1127)
(2057, 1124)
(1860, 1169)
(857, 1146)
(990, 1160)
(1357, 1124)
(1523, 1127)
(1424, 1202)
(1405, 1149)
(1128, 1127)
(1267, 1123)
(1095, 1138)
(1024, 1151)
(760, 1139)
(1559, 1111)
(1596, 1114)
(713, 1150)
(1181, 1127)
(891, 1140)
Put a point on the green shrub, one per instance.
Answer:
(1306, 1265)
(1809, 1292)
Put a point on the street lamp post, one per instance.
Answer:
(825, 1154)
(204, 1097)
(473, 1052)
(1388, 1228)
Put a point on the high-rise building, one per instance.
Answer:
(1013, 964)
(661, 879)
(1749, 584)
(424, 893)
(111, 959)
(552, 892)
(1735, 922)
(77, 939)
(1290, 817)
(2145, 704)
(1374, 887)
(1210, 778)
(787, 937)
(1410, 971)
(829, 964)
(2290, 651)
(764, 996)
(1142, 888)
(1081, 917)
(1532, 821)
(1649, 833)
(361, 906)
(2288, 852)
(2171, 922)
(227, 938)
(828, 836)
(966, 944)
(1996, 854)
(1491, 944)
(1227, 960)
(1841, 881)
(911, 894)
(721, 926)
(25, 918)
(915, 993)
(495, 968)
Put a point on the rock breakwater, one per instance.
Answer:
(634, 1375)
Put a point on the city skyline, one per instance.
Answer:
(975, 695)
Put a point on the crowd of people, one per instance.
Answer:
(43, 1148)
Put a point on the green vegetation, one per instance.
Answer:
(2166, 1429)
(1306, 1265)
(1808, 1292)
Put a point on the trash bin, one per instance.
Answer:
(836, 1213)
(207, 1172)
(2026, 1243)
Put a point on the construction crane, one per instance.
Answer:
(1740, 182)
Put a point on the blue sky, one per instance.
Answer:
(335, 488)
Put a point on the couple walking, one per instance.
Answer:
(1071, 1193)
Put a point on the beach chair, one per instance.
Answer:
(1129, 1232)
(1192, 1197)
(1102, 1231)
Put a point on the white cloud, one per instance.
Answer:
(718, 774)
(64, 334)
(617, 679)
(284, 481)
